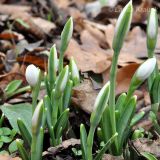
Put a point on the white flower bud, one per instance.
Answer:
(146, 69)
(152, 31)
(122, 27)
(32, 74)
(152, 24)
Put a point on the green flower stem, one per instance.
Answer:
(90, 142)
(113, 72)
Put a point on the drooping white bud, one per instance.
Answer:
(32, 74)
(146, 69)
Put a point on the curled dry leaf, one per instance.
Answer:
(94, 60)
(147, 145)
(84, 96)
(13, 9)
(65, 144)
(10, 35)
(22, 13)
(5, 157)
(141, 12)
(124, 76)
(46, 26)
(110, 157)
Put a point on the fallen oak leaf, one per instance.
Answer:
(13, 9)
(110, 157)
(6, 157)
(87, 61)
(141, 12)
(21, 13)
(147, 145)
(84, 96)
(64, 145)
(124, 76)
(9, 35)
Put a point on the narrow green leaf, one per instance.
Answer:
(106, 125)
(13, 86)
(62, 121)
(83, 138)
(22, 151)
(126, 118)
(106, 147)
(67, 94)
(24, 132)
(148, 156)
(137, 118)
(24, 24)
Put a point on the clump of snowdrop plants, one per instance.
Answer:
(154, 79)
(53, 110)
(118, 117)
(114, 118)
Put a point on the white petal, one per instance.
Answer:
(145, 70)
(32, 73)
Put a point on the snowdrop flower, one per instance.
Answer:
(152, 24)
(152, 29)
(32, 74)
(146, 69)
(122, 27)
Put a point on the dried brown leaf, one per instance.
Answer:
(65, 144)
(124, 76)
(84, 96)
(88, 58)
(5, 157)
(141, 12)
(147, 145)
